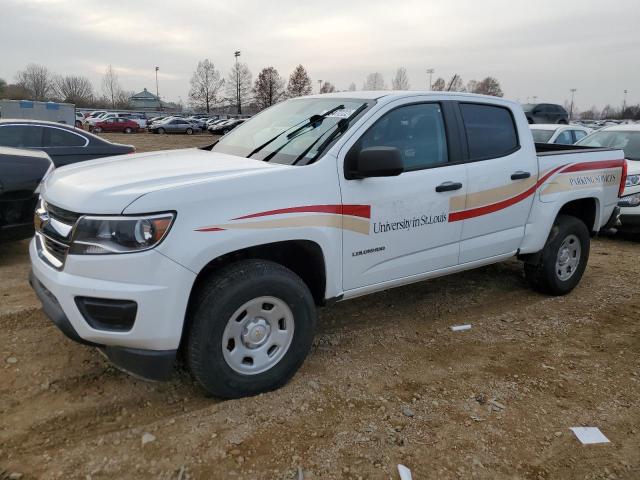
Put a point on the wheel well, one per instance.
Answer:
(583, 209)
(303, 257)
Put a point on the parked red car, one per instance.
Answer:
(115, 125)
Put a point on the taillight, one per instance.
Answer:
(623, 180)
(132, 151)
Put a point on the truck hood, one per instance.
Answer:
(107, 186)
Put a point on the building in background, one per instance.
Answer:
(147, 101)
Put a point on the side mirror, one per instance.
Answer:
(374, 162)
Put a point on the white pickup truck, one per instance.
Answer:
(222, 254)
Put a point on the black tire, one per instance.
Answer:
(160, 131)
(543, 275)
(78, 124)
(97, 129)
(128, 130)
(225, 131)
(189, 131)
(214, 306)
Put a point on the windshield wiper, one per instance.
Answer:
(342, 126)
(313, 119)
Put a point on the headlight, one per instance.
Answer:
(95, 235)
(630, 200)
(632, 181)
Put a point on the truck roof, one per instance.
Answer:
(391, 94)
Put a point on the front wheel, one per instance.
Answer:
(160, 131)
(97, 129)
(564, 258)
(128, 130)
(251, 327)
(189, 131)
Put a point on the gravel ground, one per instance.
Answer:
(387, 382)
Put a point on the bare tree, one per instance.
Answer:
(472, 86)
(374, 81)
(299, 83)
(400, 81)
(206, 83)
(456, 84)
(489, 86)
(327, 87)
(269, 88)
(439, 85)
(73, 89)
(352, 87)
(37, 80)
(111, 87)
(238, 87)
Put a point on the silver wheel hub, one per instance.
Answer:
(258, 335)
(255, 332)
(568, 258)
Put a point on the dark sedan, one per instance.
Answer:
(225, 127)
(20, 174)
(64, 144)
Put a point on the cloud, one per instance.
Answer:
(540, 48)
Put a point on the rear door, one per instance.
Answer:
(64, 146)
(502, 176)
(397, 227)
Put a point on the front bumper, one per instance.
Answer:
(159, 286)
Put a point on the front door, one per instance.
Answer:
(396, 227)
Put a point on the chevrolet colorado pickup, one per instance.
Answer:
(220, 255)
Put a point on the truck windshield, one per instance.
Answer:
(629, 141)
(292, 132)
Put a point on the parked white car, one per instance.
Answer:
(226, 251)
(560, 134)
(627, 138)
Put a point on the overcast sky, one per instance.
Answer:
(534, 47)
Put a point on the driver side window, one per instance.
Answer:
(416, 130)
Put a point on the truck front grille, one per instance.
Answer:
(54, 228)
(57, 249)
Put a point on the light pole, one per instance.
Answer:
(624, 102)
(573, 93)
(157, 91)
(319, 86)
(238, 103)
(430, 73)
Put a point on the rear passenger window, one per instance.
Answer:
(21, 136)
(62, 138)
(579, 134)
(564, 138)
(416, 130)
(490, 131)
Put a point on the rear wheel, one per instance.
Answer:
(97, 129)
(564, 258)
(251, 328)
(161, 131)
(128, 130)
(189, 131)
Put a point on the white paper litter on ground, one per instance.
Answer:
(405, 473)
(460, 328)
(589, 435)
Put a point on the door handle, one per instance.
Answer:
(520, 175)
(448, 186)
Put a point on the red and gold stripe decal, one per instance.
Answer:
(346, 217)
(502, 204)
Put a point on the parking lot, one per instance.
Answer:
(387, 382)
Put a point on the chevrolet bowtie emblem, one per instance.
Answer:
(40, 219)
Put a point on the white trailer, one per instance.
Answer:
(31, 110)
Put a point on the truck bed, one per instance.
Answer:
(545, 149)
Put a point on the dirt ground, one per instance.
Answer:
(147, 142)
(387, 382)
